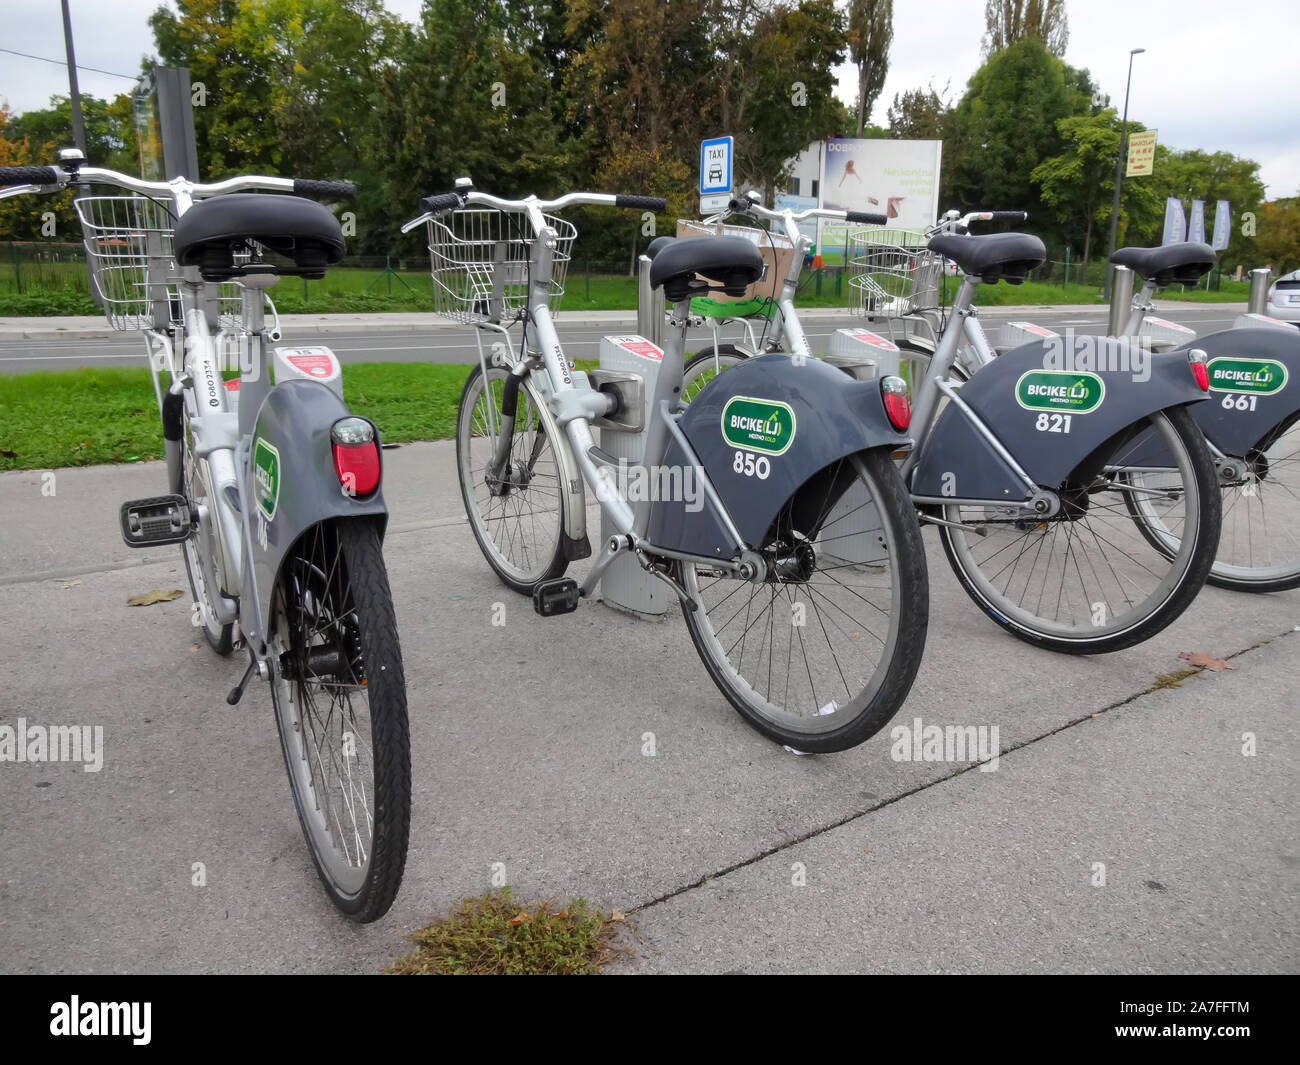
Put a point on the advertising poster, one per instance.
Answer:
(899, 179)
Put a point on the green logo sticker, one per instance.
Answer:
(266, 477)
(1255, 377)
(765, 425)
(1066, 393)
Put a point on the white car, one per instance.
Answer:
(1284, 298)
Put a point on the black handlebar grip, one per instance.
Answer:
(338, 190)
(447, 201)
(646, 203)
(866, 217)
(1009, 216)
(29, 175)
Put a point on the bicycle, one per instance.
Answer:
(814, 635)
(274, 489)
(1252, 426)
(1015, 516)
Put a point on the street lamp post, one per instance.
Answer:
(1119, 168)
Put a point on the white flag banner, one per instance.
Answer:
(1196, 230)
(1222, 225)
(1175, 222)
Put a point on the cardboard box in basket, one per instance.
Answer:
(777, 253)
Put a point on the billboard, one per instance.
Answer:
(899, 179)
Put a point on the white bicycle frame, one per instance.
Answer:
(574, 404)
(221, 439)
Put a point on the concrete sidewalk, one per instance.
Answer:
(527, 750)
(95, 328)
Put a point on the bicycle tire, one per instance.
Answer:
(1111, 631)
(868, 708)
(334, 630)
(528, 447)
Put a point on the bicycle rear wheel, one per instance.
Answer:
(1089, 579)
(1259, 543)
(340, 707)
(516, 517)
(821, 653)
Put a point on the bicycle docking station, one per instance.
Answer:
(629, 365)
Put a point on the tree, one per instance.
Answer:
(1009, 21)
(871, 31)
(466, 96)
(1209, 176)
(919, 114)
(232, 128)
(1006, 124)
(783, 113)
(1079, 183)
(1277, 240)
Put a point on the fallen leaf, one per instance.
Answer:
(522, 917)
(562, 915)
(617, 915)
(69, 582)
(1200, 658)
(154, 596)
(194, 648)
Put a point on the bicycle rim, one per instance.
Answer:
(1088, 574)
(702, 368)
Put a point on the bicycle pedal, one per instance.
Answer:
(559, 596)
(157, 520)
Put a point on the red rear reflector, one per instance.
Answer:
(893, 390)
(358, 467)
(1202, 376)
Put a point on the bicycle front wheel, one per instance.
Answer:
(517, 516)
(1089, 579)
(821, 653)
(704, 366)
(340, 706)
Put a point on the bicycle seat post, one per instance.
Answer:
(254, 376)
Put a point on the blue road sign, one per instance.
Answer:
(715, 165)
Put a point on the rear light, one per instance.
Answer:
(893, 390)
(356, 455)
(1196, 359)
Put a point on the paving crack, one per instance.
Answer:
(938, 782)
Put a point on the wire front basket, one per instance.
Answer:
(128, 243)
(480, 259)
(891, 272)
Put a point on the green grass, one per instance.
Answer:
(498, 936)
(51, 419)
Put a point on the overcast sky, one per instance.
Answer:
(1214, 75)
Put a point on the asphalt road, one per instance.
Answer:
(456, 345)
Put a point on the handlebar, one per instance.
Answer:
(951, 223)
(63, 176)
(433, 206)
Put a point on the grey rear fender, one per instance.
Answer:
(293, 484)
(761, 430)
(1088, 389)
(1259, 369)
